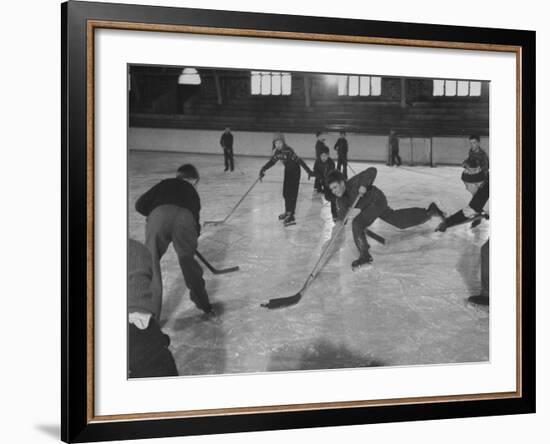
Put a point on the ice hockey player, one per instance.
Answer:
(477, 155)
(226, 142)
(395, 158)
(477, 183)
(341, 148)
(148, 352)
(320, 147)
(322, 168)
(172, 208)
(372, 205)
(291, 182)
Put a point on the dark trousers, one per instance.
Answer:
(485, 269)
(402, 218)
(291, 186)
(317, 184)
(342, 165)
(171, 224)
(228, 158)
(148, 353)
(395, 158)
(290, 205)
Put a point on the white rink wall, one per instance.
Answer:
(363, 147)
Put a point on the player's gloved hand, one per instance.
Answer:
(362, 190)
(262, 174)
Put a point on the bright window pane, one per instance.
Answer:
(266, 83)
(439, 87)
(353, 85)
(255, 83)
(375, 86)
(364, 86)
(276, 84)
(462, 88)
(342, 85)
(475, 88)
(450, 87)
(286, 84)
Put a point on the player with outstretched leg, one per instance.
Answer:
(372, 205)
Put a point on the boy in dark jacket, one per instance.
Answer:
(226, 142)
(148, 353)
(320, 147)
(322, 168)
(372, 205)
(477, 155)
(172, 208)
(341, 148)
(291, 183)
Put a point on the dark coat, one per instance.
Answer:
(174, 191)
(341, 147)
(226, 141)
(364, 178)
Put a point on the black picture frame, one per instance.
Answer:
(77, 425)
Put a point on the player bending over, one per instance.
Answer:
(291, 183)
(372, 205)
(172, 208)
(476, 182)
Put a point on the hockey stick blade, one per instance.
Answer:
(224, 270)
(283, 302)
(215, 270)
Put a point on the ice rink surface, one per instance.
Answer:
(408, 308)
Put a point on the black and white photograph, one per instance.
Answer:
(284, 221)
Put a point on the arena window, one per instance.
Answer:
(359, 86)
(267, 83)
(453, 88)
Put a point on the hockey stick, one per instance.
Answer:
(215, 270)
(351, 169)
(218, 222)
(294, 299)
(237, 166)
(376, 237)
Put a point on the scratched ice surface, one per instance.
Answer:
(409, 308)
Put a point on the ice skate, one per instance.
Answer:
(364, 259)
(289, 220)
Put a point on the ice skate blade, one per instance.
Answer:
(359, 267)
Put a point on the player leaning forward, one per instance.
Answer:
(172, 208)
(476, 181)
(372, 205)
(291, 182)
